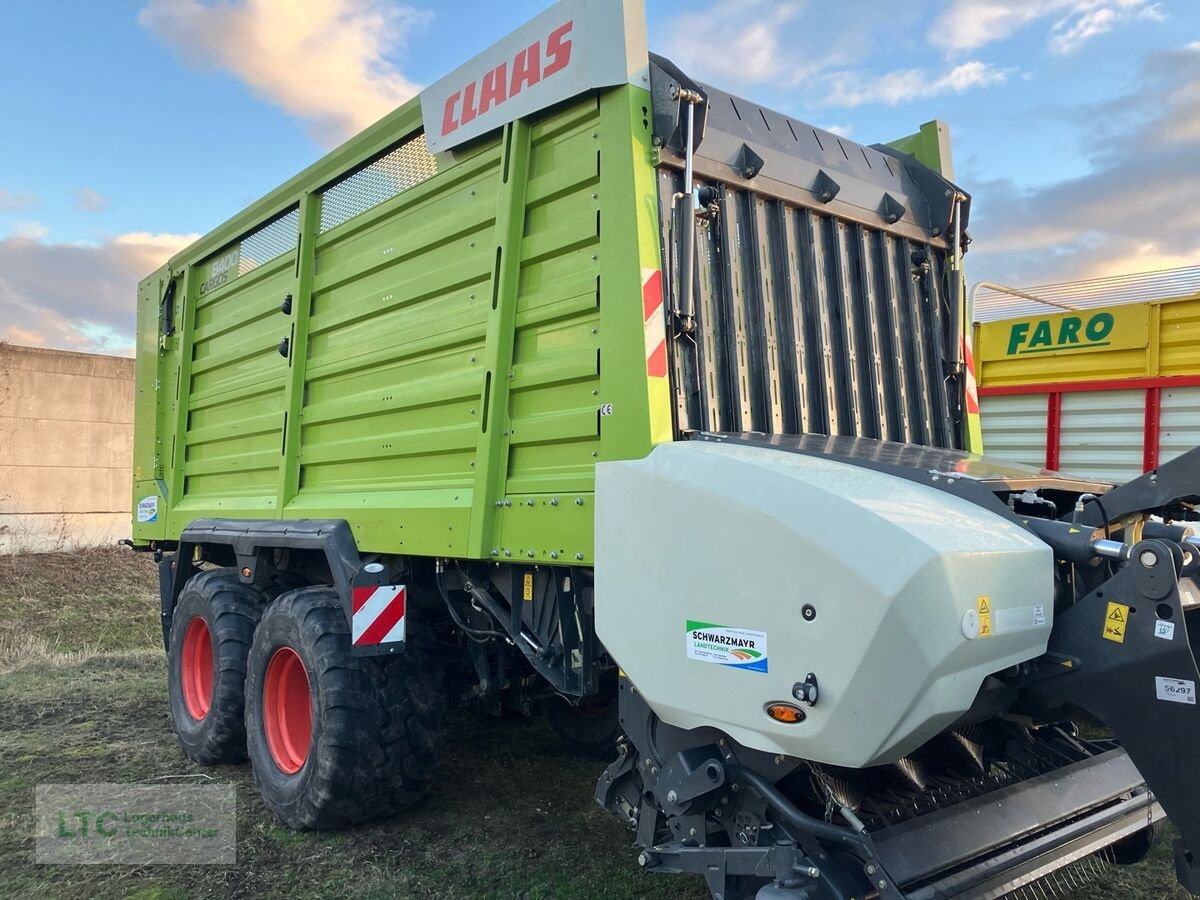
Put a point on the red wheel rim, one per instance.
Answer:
(287, 710)
(197, 669)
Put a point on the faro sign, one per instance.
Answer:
(1096, 330)
(573, 47)
(1069, 333)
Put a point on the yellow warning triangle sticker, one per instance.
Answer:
(984, 607)
(1115, 615)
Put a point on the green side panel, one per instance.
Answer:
(155, 361)
(443, 385)
(394, 379)
(231, 427)
(930, 146)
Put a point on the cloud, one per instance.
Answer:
(90, 199)
(1138, 209)
(748, 35)
(78, 297)
(1070, 35)
(330, 62)
(817, 48)
(970, 24)
(855, 88)
(28, 231)
(17, 201)
(813, 52)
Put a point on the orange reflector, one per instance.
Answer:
(787, 713)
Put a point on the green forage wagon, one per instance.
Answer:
(581, 385)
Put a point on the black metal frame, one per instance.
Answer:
(673, 787)
(1039, 814)
(1111, 663)
(250, 543)
(1167, 488)
(553, 629)
(816, 298)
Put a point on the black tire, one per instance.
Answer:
(217, 603)
(592, 727)
(377, 723)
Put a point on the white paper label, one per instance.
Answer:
(1175, 690)
(147, 509)
(1165, 630)
(1019, 618)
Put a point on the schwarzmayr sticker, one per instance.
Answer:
(725, 646)
(147, 509)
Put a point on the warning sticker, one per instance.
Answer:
(1175, 690)
(1164, 630)
(527, 587)
(738, 648)
(1115, 620)
(983, 606)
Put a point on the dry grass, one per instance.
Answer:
(104, 571)
(64, 607)
(83, 698)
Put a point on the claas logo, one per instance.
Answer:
(1071, 333)
(533, 64)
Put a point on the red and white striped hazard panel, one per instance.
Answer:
(655, 323)
(972, 389)
(377, 614)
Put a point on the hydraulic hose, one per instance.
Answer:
(479, 635)
(818, 828)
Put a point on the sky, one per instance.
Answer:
(130, 127)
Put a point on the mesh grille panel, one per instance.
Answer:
(269, 242)
(406, 166)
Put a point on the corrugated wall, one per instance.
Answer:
(1014, 427)
(1179, 338)
(1108, 408)
(1179, 429)
(1101, 434)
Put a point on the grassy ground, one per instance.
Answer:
(82, 698)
